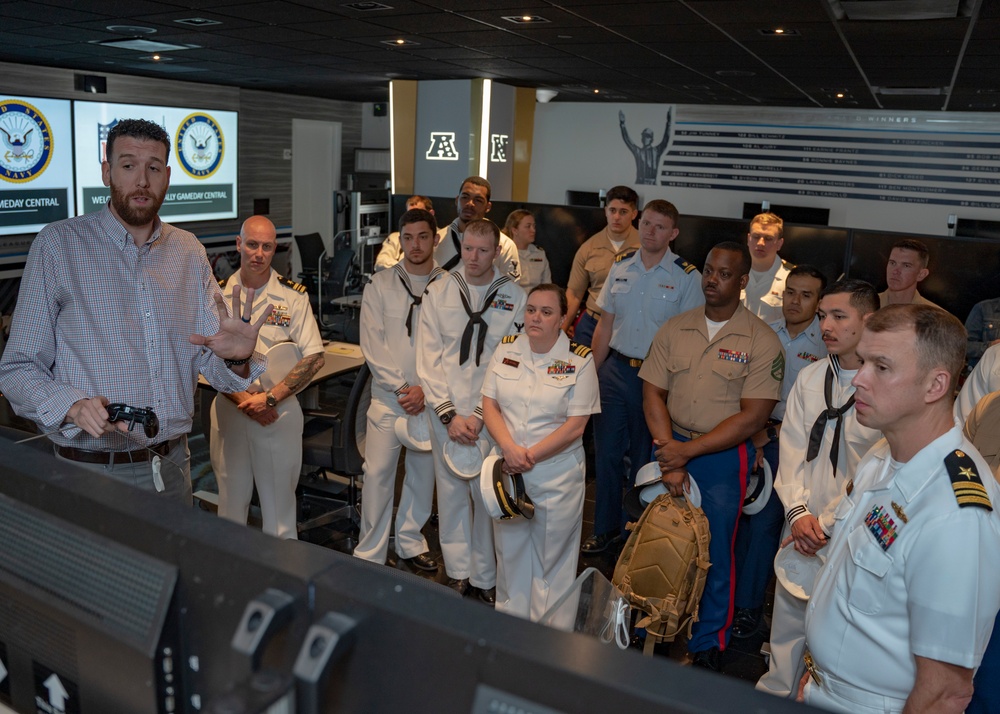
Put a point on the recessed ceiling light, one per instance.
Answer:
(840, 95)
(141, 45)
(197, 21)
(131, 29)
(399, 42)
(524, 19)
(597, 91)
(779, 32)
(156, 58)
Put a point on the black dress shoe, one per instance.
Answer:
(422, 562)
(708, 659)
(488, 595)
(746, 621)
(599, 543)
(461, 586)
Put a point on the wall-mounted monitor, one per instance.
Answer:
(202, 158)
(36, 163)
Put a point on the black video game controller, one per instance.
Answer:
(135, 415)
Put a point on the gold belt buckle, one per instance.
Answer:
(812, 669)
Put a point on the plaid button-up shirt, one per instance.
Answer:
(97, 315)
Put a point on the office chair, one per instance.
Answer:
(311, 250)
(334, 444)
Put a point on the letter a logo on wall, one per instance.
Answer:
(442, 146)
(498, 148)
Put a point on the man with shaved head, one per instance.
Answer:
(257, 434)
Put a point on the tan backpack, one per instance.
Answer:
(663, 566)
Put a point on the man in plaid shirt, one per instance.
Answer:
(118, 307)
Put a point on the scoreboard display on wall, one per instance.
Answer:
(202, 160)
(36, 163)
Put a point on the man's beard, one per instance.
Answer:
(135, 216)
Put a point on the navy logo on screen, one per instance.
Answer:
(442, 146)
(102, 138)
(498, 148)
(26, 142)
(199, 146)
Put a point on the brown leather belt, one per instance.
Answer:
(116, 457)
(633, 362)
(593, 313)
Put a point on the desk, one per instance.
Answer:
(340, 358)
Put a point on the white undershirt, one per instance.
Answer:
(714, 327)
(617, 244)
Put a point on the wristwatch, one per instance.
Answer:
(447, 417)
(772, 434)
(270, 400)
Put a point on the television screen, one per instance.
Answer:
(36, 163)
(202, 158)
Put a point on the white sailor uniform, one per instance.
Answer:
(765, 291)
(388, 343)
(810, 487)
(911, 571)
(985, 378)
(449, 383)
(244, 452)
(448, 252)
(537, 558)
(534, 266)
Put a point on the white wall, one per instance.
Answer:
(579, 147)
(374, 130)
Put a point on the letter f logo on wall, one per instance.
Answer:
(498, 148)
(442, 146)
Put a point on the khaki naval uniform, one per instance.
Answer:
(911, 571)
(918, 299)
(810, 488)
(389, 347)
(448, 252)
(466, 529)
(592, 262)
(534, 266)
(537, 558)
(244, 452)
(705, 381)
(765, 291)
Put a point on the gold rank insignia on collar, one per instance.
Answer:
(965, 481)
(624, 256)
(579, 350)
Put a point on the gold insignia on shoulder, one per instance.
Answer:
(508, 339)
(965, 481)
(579, 350)
(222, 283)
(624, 256)
(900, 512)
(684, 265)
(288, 282)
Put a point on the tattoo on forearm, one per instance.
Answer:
(304, 371)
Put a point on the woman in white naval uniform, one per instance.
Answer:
(538, 394)
(535, 269)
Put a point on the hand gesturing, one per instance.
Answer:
(237, 335)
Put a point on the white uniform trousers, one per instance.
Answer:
(465, 527)
(537, 558)
(788, 645)
(243, 453)
(837, 696)
(379, 489)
